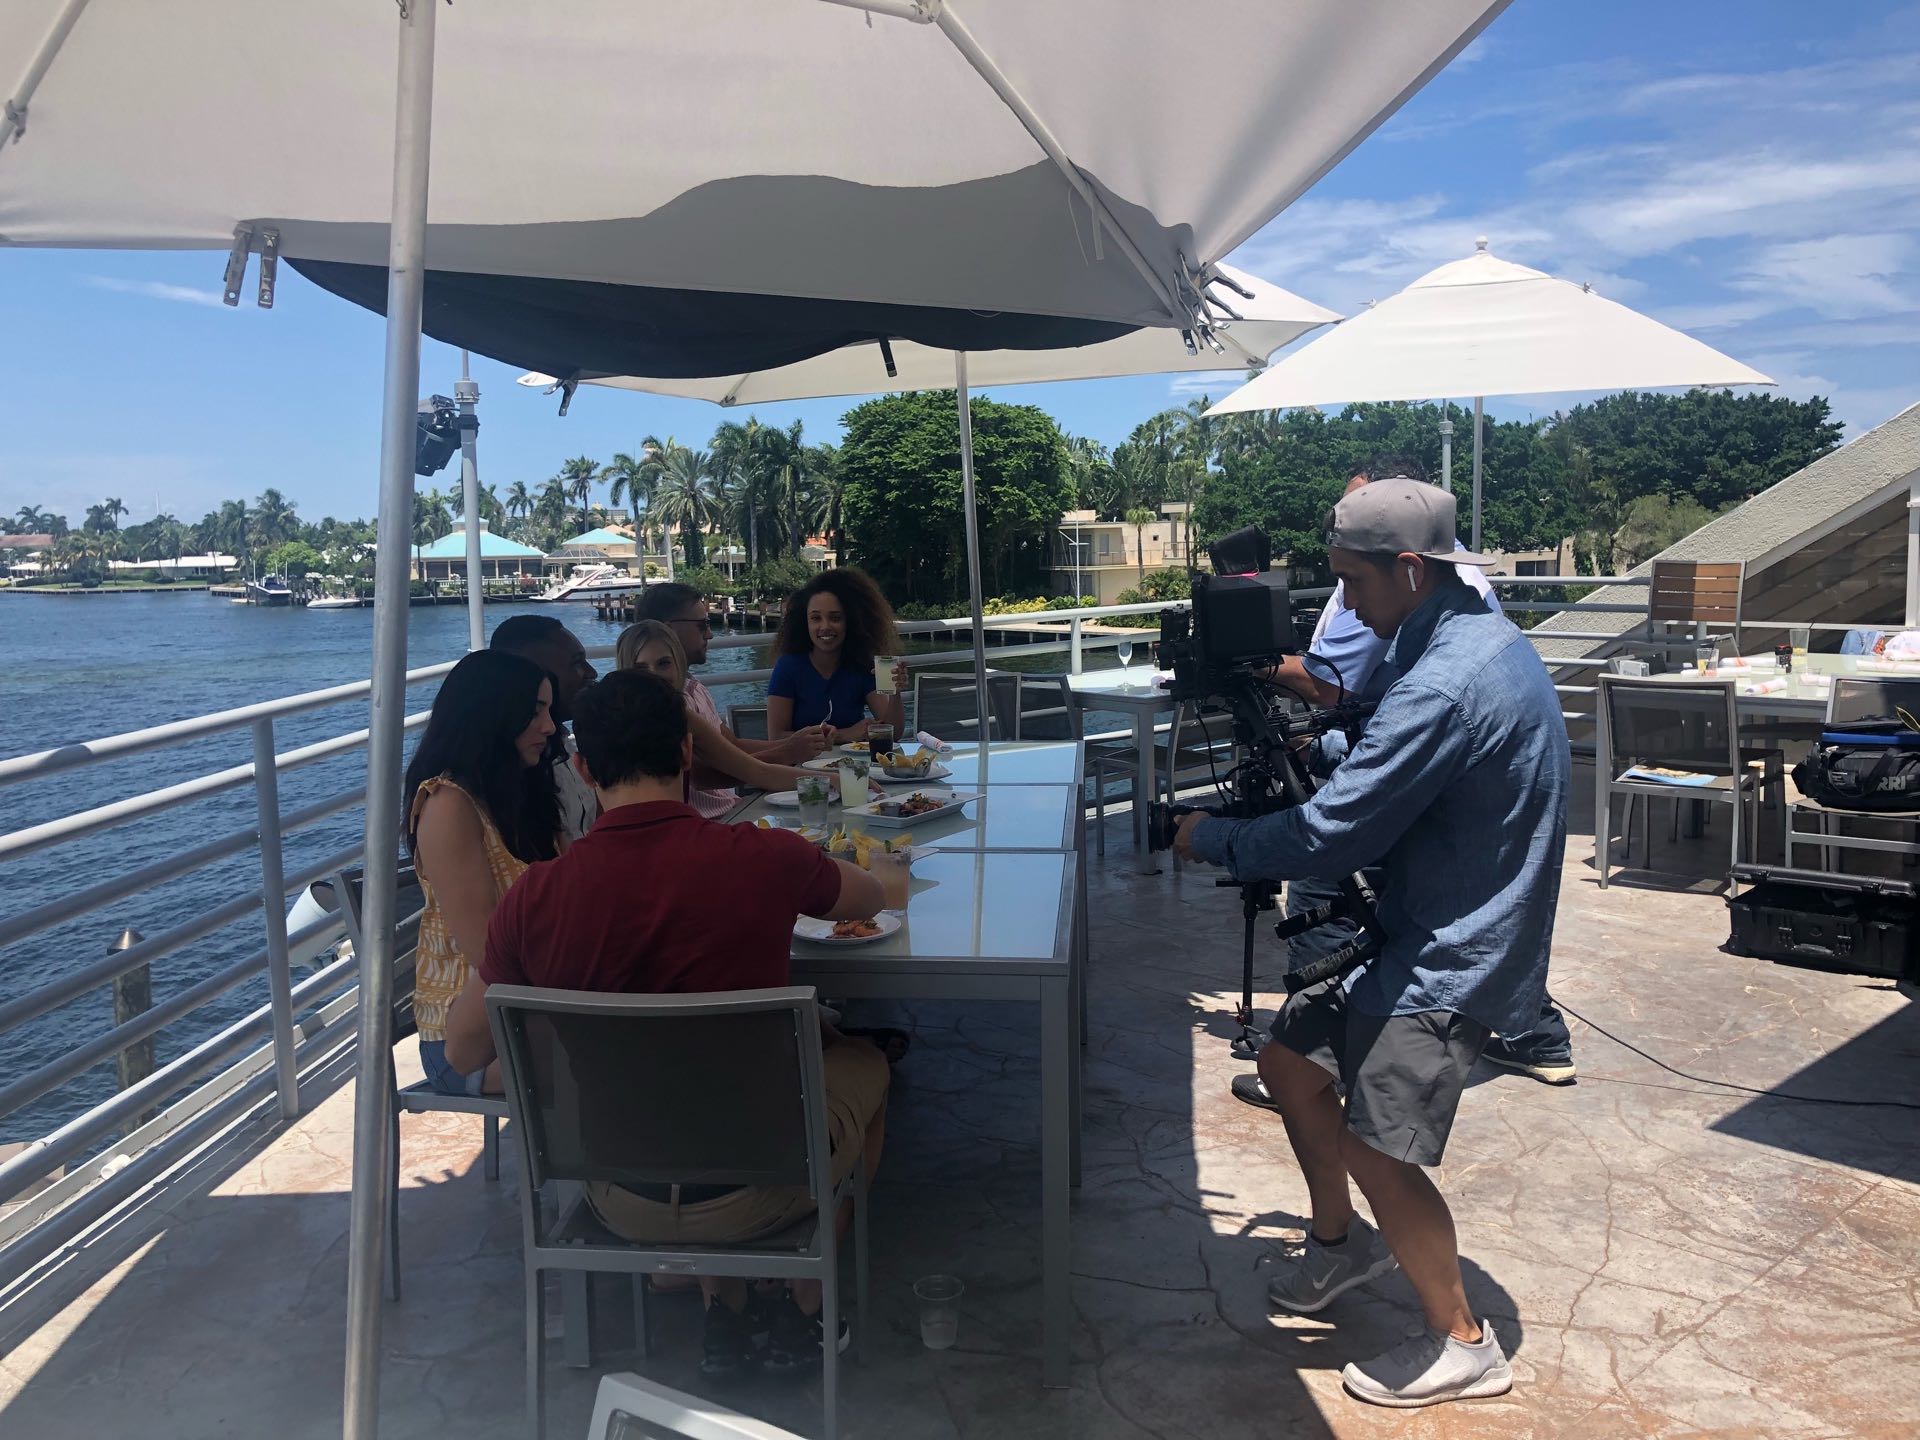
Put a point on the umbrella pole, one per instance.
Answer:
(1479, 408)
(1913, 553)
(373, 1094)
(465, 394)
(973, 555)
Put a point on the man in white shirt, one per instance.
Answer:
(557, 650)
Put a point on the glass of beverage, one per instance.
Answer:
(1706, 659)
(879, 739)
(1125, 651)
(1802, 637)
(853, 780)
(816, 795)
(939, 1297)
(894, 870)
(883, 673)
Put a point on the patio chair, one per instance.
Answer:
(1855, 701)
(419, 1098)
(1691, 727)
(747, 722)
(750, 1109)
(1048, 711)
(945, 704)
(631, 1407)
(1703, 596)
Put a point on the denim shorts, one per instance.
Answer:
(442, 1076)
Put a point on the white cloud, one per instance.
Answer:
(1215, 383)
(1840, 276)
(156, 290)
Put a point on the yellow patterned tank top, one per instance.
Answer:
(440, 970)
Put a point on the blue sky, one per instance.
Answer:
(1750, 173)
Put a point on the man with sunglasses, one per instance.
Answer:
(685, 609)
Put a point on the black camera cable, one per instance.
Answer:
(1730, 1084)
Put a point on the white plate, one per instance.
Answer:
(789, 799)
(951, 803)
(828, 763)
(935, 771)
(820, 932)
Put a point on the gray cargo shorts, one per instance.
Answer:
(1401, 1074)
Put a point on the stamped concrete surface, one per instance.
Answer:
(1662, 1254)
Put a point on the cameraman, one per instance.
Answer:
(1458, 789)
(1345, 653)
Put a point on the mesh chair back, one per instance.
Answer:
(1857, 701)
(948, 706)
(747, 722)
(660, 1089)
(1047, 711)
(1675, 726)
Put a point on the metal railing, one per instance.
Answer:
(261, 1055)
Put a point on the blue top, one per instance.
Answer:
(1458, 788)
(1342, 644)
(840, 697)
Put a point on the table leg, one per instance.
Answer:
(1077, 1015)
(1056, 1300)
(1145, 790)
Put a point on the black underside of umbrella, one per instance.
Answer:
(564, 327)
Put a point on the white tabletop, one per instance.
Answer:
(1137, 686)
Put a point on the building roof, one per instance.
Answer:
(1785, 519)
(25, 542)
(453, 546)
(600, 536)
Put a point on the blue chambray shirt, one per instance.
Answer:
(1458, 789)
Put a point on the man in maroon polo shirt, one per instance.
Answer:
(630, 908)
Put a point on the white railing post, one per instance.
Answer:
(273, 890)
(1073, 633)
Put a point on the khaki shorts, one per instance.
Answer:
(856, 1092)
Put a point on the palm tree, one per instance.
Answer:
(489, 505)
(273, 518)
(1139, 517)
(632, 480)
(742, 458)
(114, 511)
(1089, 463)
(653, 464)
(232, 529)
(578, 475)
(31, 520)
(519, 502)
(684, 496)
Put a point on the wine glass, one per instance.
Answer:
(1125, 652)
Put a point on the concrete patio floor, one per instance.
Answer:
(1660, 1256)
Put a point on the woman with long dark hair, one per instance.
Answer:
(481, 807)
(833, 628)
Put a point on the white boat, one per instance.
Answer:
(588, 582)
(336, 602)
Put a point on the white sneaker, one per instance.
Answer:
(1429, 1369)
(1323, 1273)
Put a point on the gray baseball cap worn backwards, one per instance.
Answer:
(1400, 517)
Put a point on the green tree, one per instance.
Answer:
(900, 465)
(577, 476)
(1653, 523)
(293, 559)
(1140, 517)
(684, 497)
(274, 520)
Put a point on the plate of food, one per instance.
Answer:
(910, 767)
(846, 932)
(928, 804)
(812, 834)
(859, 847)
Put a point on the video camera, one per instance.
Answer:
(1241, 619)
(1222, 654)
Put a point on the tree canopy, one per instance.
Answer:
(899, 471)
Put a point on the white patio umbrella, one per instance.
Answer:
(1265, 318)
(1485, 326)
(741, 183)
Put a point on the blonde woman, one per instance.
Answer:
(718, 763)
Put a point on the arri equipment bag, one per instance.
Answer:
(1871, 765)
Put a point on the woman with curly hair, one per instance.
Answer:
(834, 627)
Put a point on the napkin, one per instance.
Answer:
(1765, 687)
(939, 747)
(808, 928)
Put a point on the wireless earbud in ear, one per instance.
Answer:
(1413, 581)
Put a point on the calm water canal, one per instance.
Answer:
(77, 669)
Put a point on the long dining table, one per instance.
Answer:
(995, 911)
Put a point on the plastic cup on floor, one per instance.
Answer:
(939, 1297)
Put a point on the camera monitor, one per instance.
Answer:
(1237, 618)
